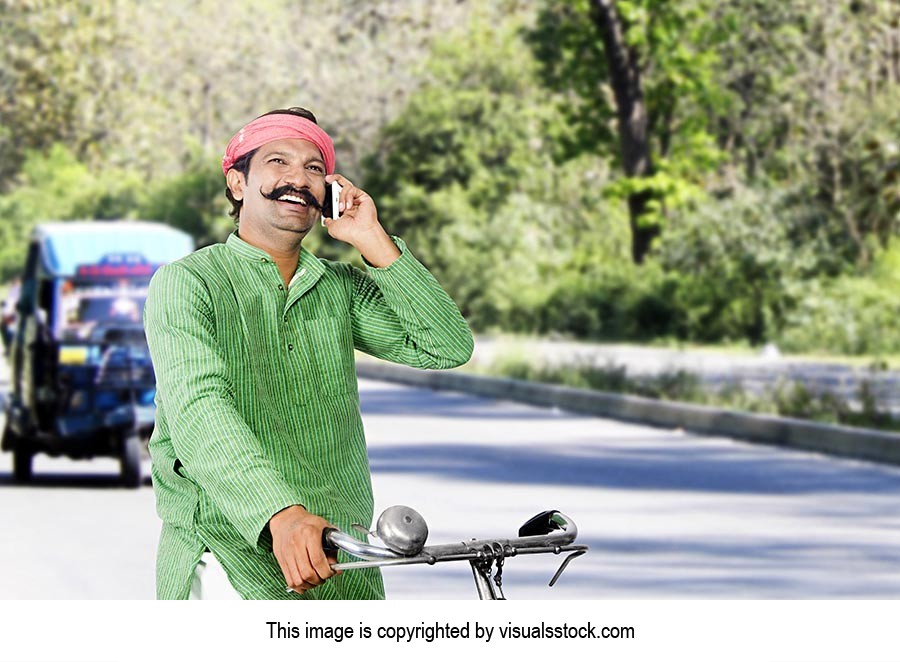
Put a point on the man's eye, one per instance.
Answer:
(317, 168)
(276, 160)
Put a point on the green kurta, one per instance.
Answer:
(258, 405)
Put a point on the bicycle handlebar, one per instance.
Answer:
(560, 533)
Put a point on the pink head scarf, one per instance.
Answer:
(279, 126)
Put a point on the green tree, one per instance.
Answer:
(810, 79)
(55, 78)
(55, 185)
(195, 72)
(192, 200)
(473, 175)
(649, 64)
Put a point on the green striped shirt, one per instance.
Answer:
(258, 406)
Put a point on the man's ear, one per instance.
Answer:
(235, 181)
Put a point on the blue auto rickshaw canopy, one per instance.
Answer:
(67, 245)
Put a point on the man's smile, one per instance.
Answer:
(288, 197)
(302, 197)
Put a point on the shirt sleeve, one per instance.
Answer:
(213, 442)
(400, 313)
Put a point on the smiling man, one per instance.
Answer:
(258, 444)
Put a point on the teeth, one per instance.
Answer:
(293, 198)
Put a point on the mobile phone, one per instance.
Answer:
(332, 200)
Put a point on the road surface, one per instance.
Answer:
(666, 514)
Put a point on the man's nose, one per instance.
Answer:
(298, 177)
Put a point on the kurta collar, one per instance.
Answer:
(245, 250)
(309, 267)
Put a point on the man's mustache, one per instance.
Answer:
(287, 189)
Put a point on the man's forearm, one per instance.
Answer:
(378, 249)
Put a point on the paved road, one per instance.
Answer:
(667, 514)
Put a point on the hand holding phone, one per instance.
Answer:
(359, 225)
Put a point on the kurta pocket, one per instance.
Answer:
(329, 344)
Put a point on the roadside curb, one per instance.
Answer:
(840, 440)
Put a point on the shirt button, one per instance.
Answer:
(281, 287)
(290, 348)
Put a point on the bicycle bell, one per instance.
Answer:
(402, 530)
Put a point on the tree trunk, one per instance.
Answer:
(625, 77)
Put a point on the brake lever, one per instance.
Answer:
(359, 528)
(565, 563)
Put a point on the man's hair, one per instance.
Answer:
(242, 165)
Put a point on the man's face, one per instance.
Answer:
(284, 189)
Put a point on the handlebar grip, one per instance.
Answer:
(327, 545)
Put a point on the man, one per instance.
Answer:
(258, 444)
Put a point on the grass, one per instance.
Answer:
(880, 362)
(785, 398)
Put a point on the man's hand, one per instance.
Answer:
(297, 543)
(358, 225)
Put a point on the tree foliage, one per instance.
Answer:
(57, 186)
(55, 77)
(490, 136)
(471, 174)
(656, 76)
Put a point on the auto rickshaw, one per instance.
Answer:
(82, 384)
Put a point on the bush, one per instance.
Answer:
(784, 398)
(737, 268)
(613, 302)
(850, 315)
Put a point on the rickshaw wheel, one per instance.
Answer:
(22, 465)
(130, 460)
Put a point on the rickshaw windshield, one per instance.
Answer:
(87, 306)
(108, 310)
